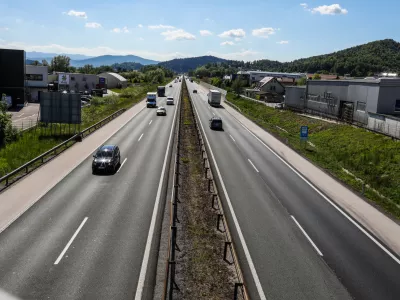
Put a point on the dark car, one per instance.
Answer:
(216, 123)
(106, 159)
(195, 91)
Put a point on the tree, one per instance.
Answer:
(7, 132)
(87, 69)
(316, 76)
(36, 63)
(302, 81)
(60, 63)
(45, 63)
(237, 86)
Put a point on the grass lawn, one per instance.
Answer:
(371, 157)
(32, 143)
(117, 90)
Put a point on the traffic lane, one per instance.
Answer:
(90, 188)
(363, 267)
(287, 265)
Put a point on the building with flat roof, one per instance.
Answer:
(256, 76)
(74, 82)
(114, 80)
(36, 80)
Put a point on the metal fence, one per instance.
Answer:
(28, 167)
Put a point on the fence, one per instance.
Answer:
(48, 155)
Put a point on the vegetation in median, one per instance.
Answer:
(352, 154)
(30, 144)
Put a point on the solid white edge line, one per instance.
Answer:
(120, 167)
(253, 165)
(306, 235)
(232, 138)
(146, 256)
(235, 220)
(150, 121)
(69, 171)
(70, 241)
(140, 137)
(323, 196)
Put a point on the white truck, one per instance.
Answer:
(214, 98)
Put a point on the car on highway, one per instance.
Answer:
(161, 111)
(106, 159)
(170, 100)
(194, 91)
(216, 123)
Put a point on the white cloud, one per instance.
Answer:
(93, 25)
(178, 35)
(333, 9)
(233, 33)
(246, 55)
(4, 29)
(120, 30)
(227, 43)
(140, 26)
(283, 42)
(205, 32)
(161, 26)
(238, 39)
(79, 14)
(264, 32)
(95, 51)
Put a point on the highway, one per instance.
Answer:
(86, 238)
(297, 245)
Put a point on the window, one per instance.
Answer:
(34, 77)
(272, 88)
(397, 106)
(361, 106)
(72, 78)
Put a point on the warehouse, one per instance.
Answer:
(36, 81)
(12, 75)
(114, 80)
(74, 82)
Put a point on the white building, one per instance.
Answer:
(74, 82)
(36, 79)
(256, 76)
(114, 80)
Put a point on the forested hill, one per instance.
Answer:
(186, 64)
(362, 60)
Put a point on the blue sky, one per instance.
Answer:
(162, 30)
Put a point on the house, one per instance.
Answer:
(268, 89)
(114, 80)
(36, 80)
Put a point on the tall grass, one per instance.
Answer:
(371, 157)
(31, 144)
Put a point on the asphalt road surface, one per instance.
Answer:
(25, 117)
(300, 246)
(85, 239)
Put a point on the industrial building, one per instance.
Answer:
(114, 80)
(36, 81)
(371, 103)
(12, 75)
(256, 76)
(73, 82)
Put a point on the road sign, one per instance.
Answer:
(304, 132)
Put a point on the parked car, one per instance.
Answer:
(170, 100)
(216, 123)
(106, 159)
(194, 91)
(161, 111)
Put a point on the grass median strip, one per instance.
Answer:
(201, 272)
(33, 143)
(354, 155)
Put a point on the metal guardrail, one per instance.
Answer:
(233, 105)
(41, 159)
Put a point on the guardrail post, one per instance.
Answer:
(204, 162)
(209, 184)
(227, 244)
(206, 172)
(219, 217)
(237, 285)
(214, 197)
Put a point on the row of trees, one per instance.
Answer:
(7, 132)
(148, 74)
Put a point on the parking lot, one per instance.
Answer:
(25, 117)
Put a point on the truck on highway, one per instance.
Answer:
(151, 99)
(161, 91)
(214, 98)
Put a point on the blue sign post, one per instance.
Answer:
(304, 133)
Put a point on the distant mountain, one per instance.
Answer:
(186, 64)
(107, 60)
(48, 56)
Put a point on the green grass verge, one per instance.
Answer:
(117, 90)
(31, 144)
(371, 157)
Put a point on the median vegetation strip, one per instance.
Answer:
(201, 272)
(368, 162)
(32, 143)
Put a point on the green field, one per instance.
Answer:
(367, 156)
(31, 144)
